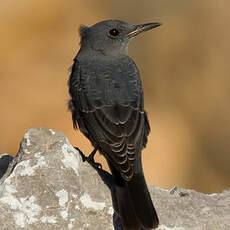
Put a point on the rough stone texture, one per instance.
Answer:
(51, 188)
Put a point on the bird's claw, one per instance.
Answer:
(94, 164)
(89, 159)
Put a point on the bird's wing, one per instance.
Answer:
(108, 108)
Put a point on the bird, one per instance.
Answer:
(107, 105)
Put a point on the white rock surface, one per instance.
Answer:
(51, 188)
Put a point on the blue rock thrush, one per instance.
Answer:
(107, 105)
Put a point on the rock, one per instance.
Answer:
(51, 188)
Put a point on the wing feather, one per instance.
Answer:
(115, 125)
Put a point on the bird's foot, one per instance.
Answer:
(90, 158)
(82, 154)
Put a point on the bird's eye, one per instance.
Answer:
(114, 32)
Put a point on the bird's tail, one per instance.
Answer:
(135, 206)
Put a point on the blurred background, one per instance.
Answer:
(184, 66)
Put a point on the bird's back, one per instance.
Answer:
(111, 80)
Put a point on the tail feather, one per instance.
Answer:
(135, 205)
(126, 209)
(142, 202)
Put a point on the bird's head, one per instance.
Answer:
(111, 37)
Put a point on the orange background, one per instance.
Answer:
(184, 66)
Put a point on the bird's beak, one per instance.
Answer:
(143, 27)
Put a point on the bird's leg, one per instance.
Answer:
(90, 158)
(82, 154)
